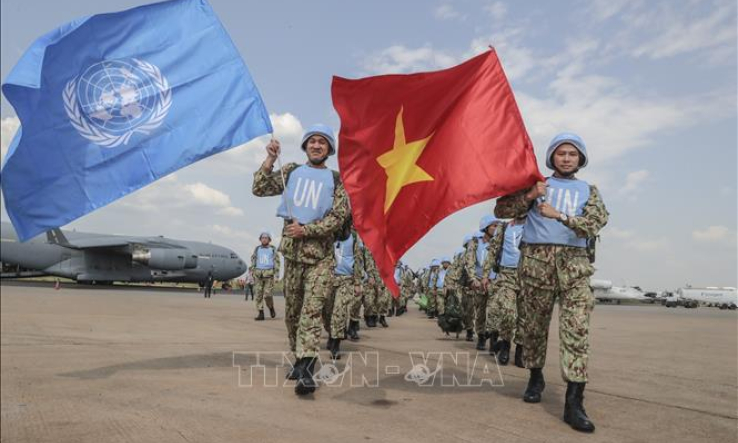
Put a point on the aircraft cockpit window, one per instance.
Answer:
(234, 256)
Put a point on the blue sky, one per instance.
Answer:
(650, 85)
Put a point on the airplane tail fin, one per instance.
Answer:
(57, 237)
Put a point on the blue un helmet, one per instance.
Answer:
(571, 138)
(467, 239)
(324, 131)
(265, 234)
(435, 262)
(486, 222)
(445, 260)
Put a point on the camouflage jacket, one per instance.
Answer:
(370, 267)
(453, 274)
(495, 245)
(470, 258)
(588, 225)
(317, 244)
(359, 269)
(266, 272)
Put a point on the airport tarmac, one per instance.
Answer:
(113, 365)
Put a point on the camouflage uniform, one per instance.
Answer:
(371, 291)
(309, 264)
(344, 295)
(548, 272)
(431, 291)
(478, 295)
(407, 287)
(264, 281)
(502, 305)
(384, 298)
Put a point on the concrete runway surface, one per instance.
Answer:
(113, 365)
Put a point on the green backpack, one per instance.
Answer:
(451, 320)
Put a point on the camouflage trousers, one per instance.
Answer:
(406, 293)
(467, 307)
(338, 304)
(263, 285)
(480, 297)
(370, 299)
(306, 288)
(384, 300)
(355, 308)
(431, 295)
(502, 311)
(549, 273)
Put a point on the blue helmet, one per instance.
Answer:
(478, 234)
(435, 262)
(486, 222)
(324, 131)
(571, 138)
(467, 239)
(445, 260)
(265, 234)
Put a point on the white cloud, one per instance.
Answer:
(447, 12)
(401, 59)
(206, 195)
(712, 234)
(633, 183)
(643, 245)
(8, 127)
(497, 10)
(621, 234)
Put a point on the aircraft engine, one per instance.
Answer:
(167, 259)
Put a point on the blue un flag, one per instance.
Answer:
(112, 102)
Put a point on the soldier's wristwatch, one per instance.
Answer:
(563, 217)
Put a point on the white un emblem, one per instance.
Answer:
(114, 99)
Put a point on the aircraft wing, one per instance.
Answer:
(56, 236)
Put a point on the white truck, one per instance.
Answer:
(723, 298)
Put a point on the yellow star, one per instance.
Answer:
(400, 163)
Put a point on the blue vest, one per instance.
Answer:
(265, 257)
(430, 277)
(398, 275)
(481, 256)
(567, 196)
(344, 252)
(309, 194)
(441, 278)
(510, 245)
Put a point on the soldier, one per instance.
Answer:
(371, 294)
(476, 252)
(502, 316)
(431, 288)
(209, 282)
(443, 281)
(407, 288)
(265, 271)
(315, 208)
(564, 214)
(346, 289)
(467, 295)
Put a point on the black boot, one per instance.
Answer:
(295, 371)
(481, 341)
(383, 322)
(536, 384)
(329, 345)
(469, 335)
(493, 346)
(306, 384)
(353, 330)
(503, 352)
(519, 356)
(335, 349)
(261, 315)
(574, 412)
(372, 321)
(391, 312)
(272, 312)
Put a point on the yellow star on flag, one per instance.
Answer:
(400, 163)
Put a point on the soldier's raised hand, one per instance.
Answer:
(273, 148)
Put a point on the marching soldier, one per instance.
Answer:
(349, 272)
(265, 271)
(371, 294)
(467, 295)
(564, 214)
(431, 288)
(476, 252)
(501, 308)
(315, 208)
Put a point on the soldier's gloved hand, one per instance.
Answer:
(485, 283)
(476, 284)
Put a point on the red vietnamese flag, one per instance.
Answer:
(416, 148)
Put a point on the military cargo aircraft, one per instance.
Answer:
(99, 258)
(605, 291)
